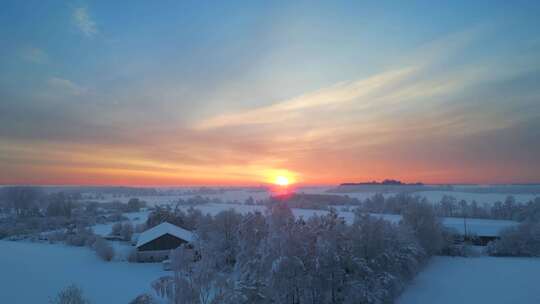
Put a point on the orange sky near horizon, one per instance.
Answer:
(100, 168)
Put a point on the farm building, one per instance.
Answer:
(478, 232)
(155, 244)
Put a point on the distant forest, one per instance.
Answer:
(386, 182)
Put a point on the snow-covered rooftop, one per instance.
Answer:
(162, 229)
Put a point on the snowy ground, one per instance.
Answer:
(477, 226)
(34, 272)
(134, 217)
(239, 196)
(491, 280)
(24, 264)
(480, 198)
(152, 200)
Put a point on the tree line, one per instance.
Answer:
(273, 257)
(449, 206)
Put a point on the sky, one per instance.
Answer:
(238, 93)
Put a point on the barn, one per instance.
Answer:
(478, 232)
(155, 244)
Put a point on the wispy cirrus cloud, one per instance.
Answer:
(423, 93)
(66, 86)
(332, 96)
(84, 21)
(34, 55)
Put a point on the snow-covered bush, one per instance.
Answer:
(116, 229)
(132, 256)
(81, 237)
(103, 249)
(57, 236)
(127, 231)
(135, 204)
(70, 295)
(124, 230)
(523, 240)
(144, 299)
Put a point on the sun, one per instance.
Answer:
(281, 180)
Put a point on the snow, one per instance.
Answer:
(240, 195)
(448, 280)
(35, 272)
(134, 217)
(152, 200)
(45, 269)
(483, 227)
(162, 229)
(480, 198)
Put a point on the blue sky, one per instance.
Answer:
(195, 92)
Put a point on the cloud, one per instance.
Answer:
(332, 96)
(426, 94)
(414, 120)
(35, 55)
(84, 22)
(66, 86)
(430, 118)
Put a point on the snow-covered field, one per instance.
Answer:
(24, 264)
(134, 217)
(480, 198)
(228, 196)
(477, 226)
(484, 227)
(448, 280)
(239, 196)
(34, 272)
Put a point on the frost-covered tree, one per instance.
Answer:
(23, 200)
(144, 299)
(59, 204)
(530, 212)
(135, 204)
(523, 240)
(127, 231)
(103, 249)
(277, 258)
(116, 229)
(421, 218)
(195, 278)
(448, 205)
(70, 295)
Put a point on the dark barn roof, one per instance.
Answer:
(164, 242)
(163, 236)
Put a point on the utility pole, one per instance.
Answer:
(465, 224)
(464, 212)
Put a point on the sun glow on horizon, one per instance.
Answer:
(282, 180)
(280, 177)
